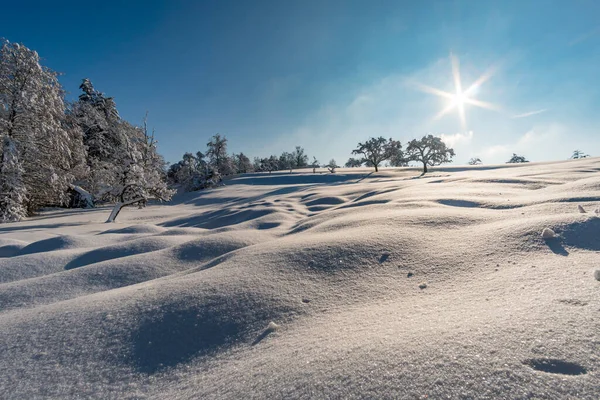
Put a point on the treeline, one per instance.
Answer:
(201, 170)
(56, 152)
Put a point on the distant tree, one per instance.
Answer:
(218, 160)
(331, 166)
(287, 161)
(475, 161)
(376, 150)
(314, 164)
(353, 163)
(300, 159)
(429, 150)
(579, 154)
(396, 155)
(517, 159)
(242, 163)
(272, 164)
(256, 164)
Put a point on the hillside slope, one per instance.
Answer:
(347, 285)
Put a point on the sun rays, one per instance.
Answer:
(460, 97)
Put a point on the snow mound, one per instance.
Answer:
(136, 229)
(61, 242)
(11, 247)
(186, 304)
(132, 247)
(548, 233)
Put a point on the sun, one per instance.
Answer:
(461, 97)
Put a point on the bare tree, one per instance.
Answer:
(577, 154)
(314, 164)
(430, 150)
(376, 150)
(332, 166)
(515, 159)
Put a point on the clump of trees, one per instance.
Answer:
(429, 150)
(475, 161)
(52, 149)
(515, 159)
(203, 170)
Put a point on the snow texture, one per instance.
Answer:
(306, 285)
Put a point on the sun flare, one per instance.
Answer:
(460, 98)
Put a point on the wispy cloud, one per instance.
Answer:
(585, 36)
(453, 140)
(529, 114)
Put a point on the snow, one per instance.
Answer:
(306, 285)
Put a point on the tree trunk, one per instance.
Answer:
(424, 168)
(117, 208)
(376, 169)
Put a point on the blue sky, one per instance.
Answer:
(326, 74)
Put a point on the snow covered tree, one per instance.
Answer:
(475, 161)
(217, 155)
(353, 163)
(429, 150)
(46, 147)
(286, 161)
(140, 173)
(577, 154)
(99, 120)
(331, 166)
(314, 164)
(515, 159)
(242, 163)
(13, 193)
(376, 150)
(395, 153)
(300, 159)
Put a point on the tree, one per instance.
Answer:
(140, 173)
(242, 163)
(396, 155)
(577, 154)
(517, 159)
(40, 145)
(353, 162)
(98, 118)
(286, 161)
(256, 164)
(217, 155)
(314, 164)
(331, 166)
(13, 193)
(376, 150)
(300, 159)
(429, 150)
(475, 161)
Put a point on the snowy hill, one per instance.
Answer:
(388, 285)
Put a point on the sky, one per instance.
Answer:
(270, 75)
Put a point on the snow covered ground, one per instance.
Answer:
(386, 285)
